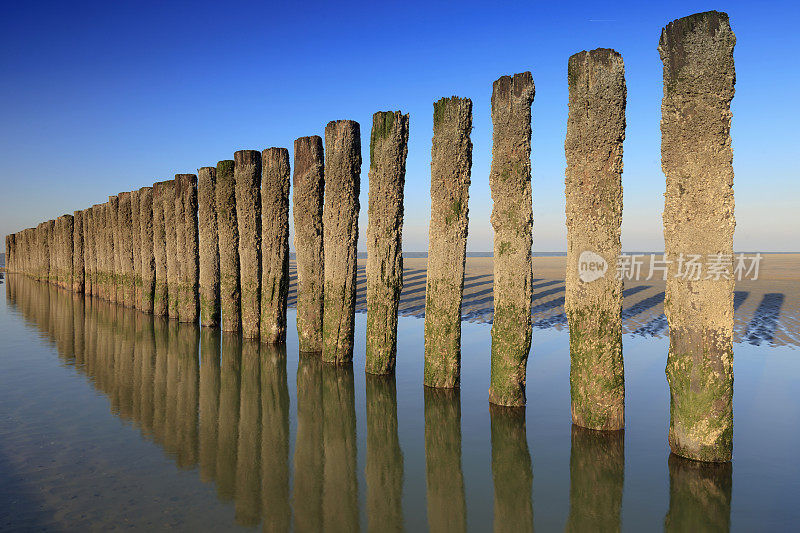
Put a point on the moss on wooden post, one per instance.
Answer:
(147, 251)
(340, 230)
(274, 244)
(387, 175)
(247, 170)
(160, 288)
(696, 157)
(228, 228)
(451, 164)
(208, 238)
(512, 220)
(309, 187)
(187, 234)
(593, 146)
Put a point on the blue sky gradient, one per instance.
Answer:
(105, 97)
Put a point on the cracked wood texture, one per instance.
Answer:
(247, 177)
(387, 176)
(512, 220)
(593, 146)
(146, 253)
(697, 159)
(275, 180)
(160, 295)
(451, 166)
(340, 238)
(228, 228)
(186, 214)
(208, 246)
(309, 187)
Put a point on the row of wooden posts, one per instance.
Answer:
(214, 246)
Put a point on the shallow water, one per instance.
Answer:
(111, 418)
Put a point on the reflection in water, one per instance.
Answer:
(274, 439)
(597, 471)
(447, 508)
(699, 496)
(308, 450)
(340, 484)
(511, 470)
(384, 458)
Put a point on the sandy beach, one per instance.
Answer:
(766, 309)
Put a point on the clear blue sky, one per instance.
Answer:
(104, 97)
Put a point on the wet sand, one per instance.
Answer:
(766, 309)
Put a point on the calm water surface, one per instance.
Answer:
(111, 418)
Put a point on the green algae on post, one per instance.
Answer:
(387, 175)
(451, 164)
(512, 220)
(593, 146)
(697, 159)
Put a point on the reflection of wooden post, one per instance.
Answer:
(147, 269)
(451, 164)
(247, 170)
(699, 496)
(309, 187)
(275, 438)
(447, 507)
(387, 177)
(228, 430)
(384, 471)
(208, 246)
(340, 230)
(274, 244)
(340, 492)
(248, 475)
(209, 402)
(512, 219)
(696, 157)
(230, 310)
(596, 472)
(511, 470)
(308, 449)
(595, 131)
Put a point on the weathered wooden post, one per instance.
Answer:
(595, 131)
(160, 290)
(696, 157)
(247, 170)
(89, 251)
(171, 246)
(208, 241)
(451, 166)
(512, 471)
(125, 229)
(512, 220)
(136, 250)
(274, 244)
(186, 204)
(384, 469)
(309, 188)
(115, 247)
(147, 252)
(340, 231)
(699, 496)
(78, 263)
(596, 474)
(228, 228)
(51, 253)
(387, 176)
(9, 253)
(447, 506)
